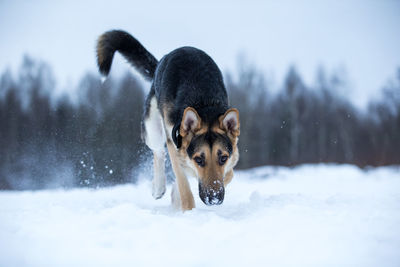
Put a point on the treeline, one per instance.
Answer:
(302, 124)
(52, 141)
(95, 140)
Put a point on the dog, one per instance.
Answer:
(187, 109)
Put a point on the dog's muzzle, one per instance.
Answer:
(213, 195)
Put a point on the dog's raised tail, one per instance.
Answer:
(129, 47)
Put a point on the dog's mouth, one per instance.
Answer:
(211, 195)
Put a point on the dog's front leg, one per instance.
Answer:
(185, 196)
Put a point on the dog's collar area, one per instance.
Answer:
(176, 136)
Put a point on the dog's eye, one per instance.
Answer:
(200, 161)
(222, 160)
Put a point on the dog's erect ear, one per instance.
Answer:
(190, 121)
(229, 122)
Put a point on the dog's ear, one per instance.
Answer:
(229, 122)
(190, 121)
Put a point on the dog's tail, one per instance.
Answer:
(129, 47)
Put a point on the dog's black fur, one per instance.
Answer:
(186, 77)
(130, 48)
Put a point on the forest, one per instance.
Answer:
(93, 138)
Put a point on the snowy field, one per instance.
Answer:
(313, 215)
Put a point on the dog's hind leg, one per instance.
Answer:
(159, 180)
(154, 137)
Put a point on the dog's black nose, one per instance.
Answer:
(211, 195)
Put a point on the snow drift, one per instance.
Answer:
(313, 215)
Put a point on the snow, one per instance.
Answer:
(312, 215)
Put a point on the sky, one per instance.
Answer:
(358, 38)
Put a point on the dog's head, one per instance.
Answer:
(210, 151)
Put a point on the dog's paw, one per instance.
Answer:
(158, 191)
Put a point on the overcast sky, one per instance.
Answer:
(361, 38)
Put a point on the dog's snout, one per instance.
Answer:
(212, 195)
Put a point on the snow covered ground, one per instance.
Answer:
(313, 215)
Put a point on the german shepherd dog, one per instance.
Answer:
(187, 108)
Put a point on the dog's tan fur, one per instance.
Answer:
(210, 175)
(186, 196)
